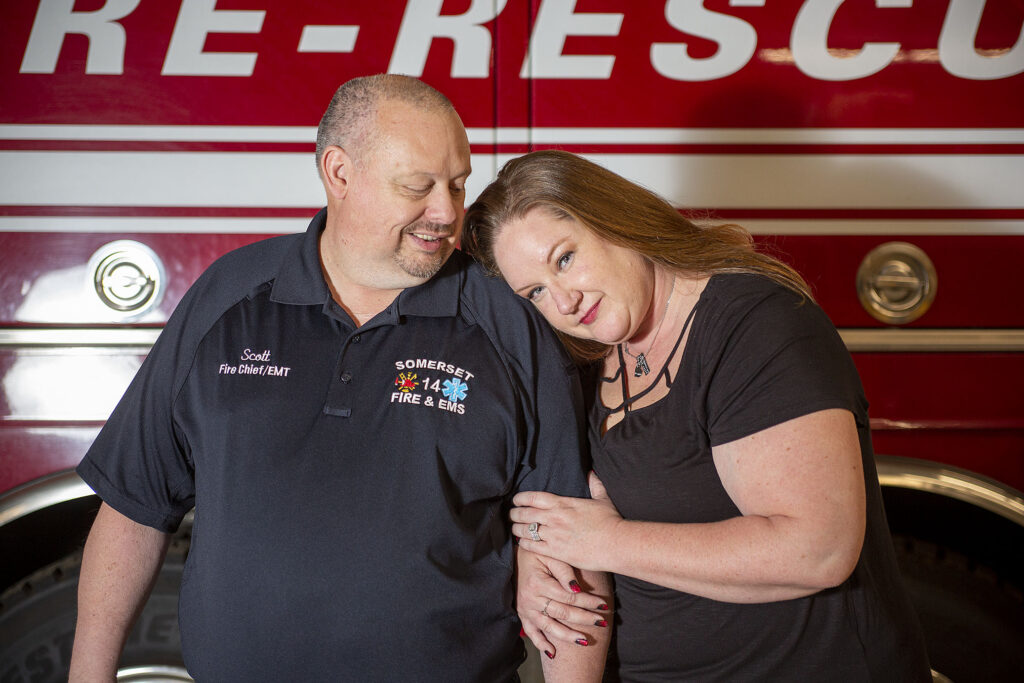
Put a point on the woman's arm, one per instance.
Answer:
(799, 486)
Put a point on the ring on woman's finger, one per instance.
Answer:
(532, 530)
(545, 610)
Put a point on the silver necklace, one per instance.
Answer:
(642, 368)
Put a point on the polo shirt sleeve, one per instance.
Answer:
(555, 457)
(139, 464)
(771, 358)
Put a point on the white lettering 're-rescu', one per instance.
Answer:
(556, 20)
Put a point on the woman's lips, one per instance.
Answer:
(590, 315)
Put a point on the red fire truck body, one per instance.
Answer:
(877, 145)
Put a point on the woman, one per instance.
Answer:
(735, 499)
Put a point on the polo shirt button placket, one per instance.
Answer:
(337, 394)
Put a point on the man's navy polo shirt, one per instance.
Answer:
(351, 486)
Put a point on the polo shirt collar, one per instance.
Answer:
(300, 280)
(438, 297)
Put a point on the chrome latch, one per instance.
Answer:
(127, 276)
(896, 282)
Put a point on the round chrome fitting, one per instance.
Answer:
(127, 276)
(896, 283)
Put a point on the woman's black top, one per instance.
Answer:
(757, 356)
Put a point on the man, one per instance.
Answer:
(349, 410)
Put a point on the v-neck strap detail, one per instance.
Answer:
(620, 374)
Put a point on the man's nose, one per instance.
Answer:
(442, 206)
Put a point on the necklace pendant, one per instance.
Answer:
(642, 368)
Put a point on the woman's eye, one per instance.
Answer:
(564, 260)
(534, 293)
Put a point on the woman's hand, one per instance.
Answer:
(553, 605)
(573, 530)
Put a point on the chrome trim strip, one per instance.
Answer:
(40, 494)
(953, 482)
(950, 340)
(153, 674)
(856, 340)
(79, 337)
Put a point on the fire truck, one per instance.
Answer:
(876, 145)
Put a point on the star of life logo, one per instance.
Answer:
(454, 389)
(444, 387)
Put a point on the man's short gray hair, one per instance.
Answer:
(348, 121)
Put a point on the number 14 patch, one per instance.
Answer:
(445, 394)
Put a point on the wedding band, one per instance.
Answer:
(545, 610)
(532, 530)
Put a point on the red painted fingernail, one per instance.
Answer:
(575, 587)
(602, 623)
(582, 641)
(522, 632)
(603, 607)
(549, 655)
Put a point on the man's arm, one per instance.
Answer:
(121, 562)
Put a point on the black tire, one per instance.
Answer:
(37, 625)
(972, 618)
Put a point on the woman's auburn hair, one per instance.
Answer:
(568, 186)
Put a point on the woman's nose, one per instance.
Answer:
(566, 300)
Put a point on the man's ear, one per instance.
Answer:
(336, 171)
